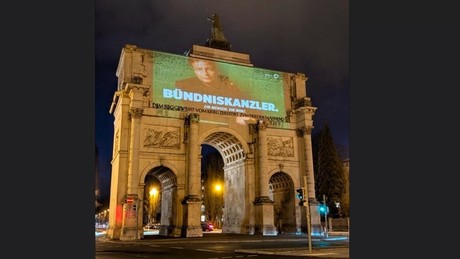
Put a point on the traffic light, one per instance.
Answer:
(323, 208)
(301, 196)
(300, 193)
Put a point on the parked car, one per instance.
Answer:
(152, 226)
(207, 226)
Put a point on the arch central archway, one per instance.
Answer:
(228, 146)
(235, 213)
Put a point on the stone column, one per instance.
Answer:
(306, 133)
(263, 205)
(131, 226)
(262, 141)
(194, 187)
(134, 143)
(193, 198)
(309, 182)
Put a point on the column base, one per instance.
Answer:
(193, 231)
(264, 217)
(170, 231)
(129, 233)
(269, 230)
(192, 224)
(113, 233)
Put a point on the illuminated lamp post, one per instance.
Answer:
(218, 191)
(153, 196)
(106, 217)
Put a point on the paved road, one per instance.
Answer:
(322, 247)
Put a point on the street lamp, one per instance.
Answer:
(218, 204)
(153, 200)
(153, 191)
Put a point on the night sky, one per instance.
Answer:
(306, 36)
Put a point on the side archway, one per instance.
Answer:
(161, 199)
(281, 192)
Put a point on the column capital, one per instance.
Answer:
(136, 113)
(304, 131)
(262, 124)
(194, 117)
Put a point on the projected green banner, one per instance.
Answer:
(197, 85)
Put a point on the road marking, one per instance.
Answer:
(211, 251)
(176, 247)
(155, 245)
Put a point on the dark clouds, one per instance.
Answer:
(306, 36)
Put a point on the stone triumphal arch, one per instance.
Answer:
(160, 129)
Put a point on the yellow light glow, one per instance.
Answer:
(153, 191)
(218, 187)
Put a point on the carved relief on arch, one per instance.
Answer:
(162, 137)
(280, 146)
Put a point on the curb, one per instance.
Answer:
(334, 253)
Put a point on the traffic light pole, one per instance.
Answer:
(325, 213)
(307, 204)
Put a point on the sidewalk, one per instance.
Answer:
(304, 252)
(331, 253)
